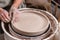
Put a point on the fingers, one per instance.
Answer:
(11, 11)
(16, 16)
(4, 15)
(3, 19)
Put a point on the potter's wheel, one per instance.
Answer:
(57, 37)
(2, 35)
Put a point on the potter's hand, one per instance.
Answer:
(12, 9)
(4, 15)
(15, 5)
